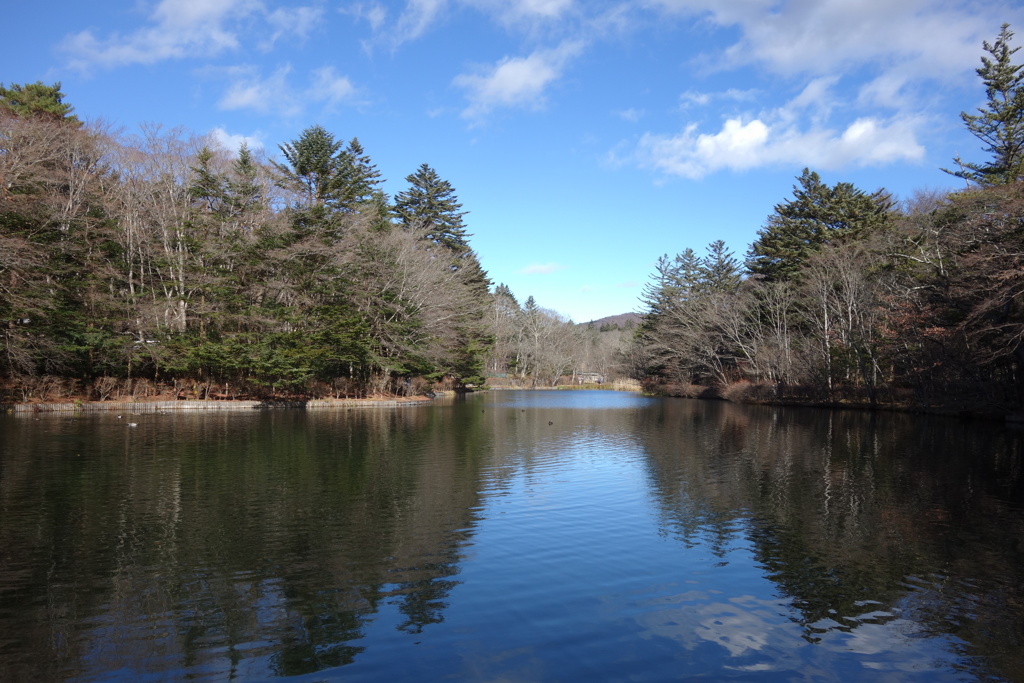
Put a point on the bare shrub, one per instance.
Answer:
(749, 392)
(445, 384)
(344, 387)
(683, 389)
(419, 387)
(103, 387)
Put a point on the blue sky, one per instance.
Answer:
(584, 138)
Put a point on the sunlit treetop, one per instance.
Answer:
(36, 99)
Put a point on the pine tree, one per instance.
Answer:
(36, 99)
(504, 299)
(675, 281)
(361, 178)
(383, 214)
(207, 188)
(1000, 123)
(474, 337)
(817, 215)
(316, 167)
(244, 194)
(431, 207)
(720, 270)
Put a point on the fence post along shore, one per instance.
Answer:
(204, 406)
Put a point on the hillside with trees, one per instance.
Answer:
(535, 346)
(849, 297)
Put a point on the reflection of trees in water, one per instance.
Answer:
(208, 543)
(855, 515)
(268, 544)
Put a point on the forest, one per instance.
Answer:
(156, 262)
(852, 297)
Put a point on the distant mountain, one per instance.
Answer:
(621, 321)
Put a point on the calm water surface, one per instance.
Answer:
(514, 536)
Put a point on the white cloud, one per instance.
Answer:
(520, 11)
(542, 268)
(330, 87)
(178, 28)
(631, 115)
(545, 8)
(297, 21)
(817, 94)
(191, 14)
(374, 13)
(895, 57)
(250, 91)
(415, 19)
(515, 82)
(233, 142)
(892, 89)
(721, 12)
(419, 15)
(702, 99)
(930, 39)
(745, 144)
(275, 93)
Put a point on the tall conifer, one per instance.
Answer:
(431, 206)
(816, 215)
(1000, 123)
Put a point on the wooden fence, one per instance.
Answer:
(206, 406)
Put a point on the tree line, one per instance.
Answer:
(539, 346)
(847, 295)
(134, 263)
(131, 263)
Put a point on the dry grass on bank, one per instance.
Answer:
(965, 403)
(56, 390)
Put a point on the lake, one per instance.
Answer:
(512, 536)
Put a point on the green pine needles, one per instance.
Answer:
(1000, 123)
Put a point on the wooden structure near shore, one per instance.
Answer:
(132, 408)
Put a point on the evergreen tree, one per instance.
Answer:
(244, 194)
(1000, 123)
(675, 281)
(362, 178)
(474, 339)
(36, 99)
(677, 339)
(431, 207)
(817, 215)
(505, 299)
(208, 188)
(720, 270)
(316, 167)
(382, 211)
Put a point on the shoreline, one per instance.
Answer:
(183, 406)
(176, 406)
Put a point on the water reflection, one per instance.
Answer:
(196, 538)
(515, 536)
(875, 527)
